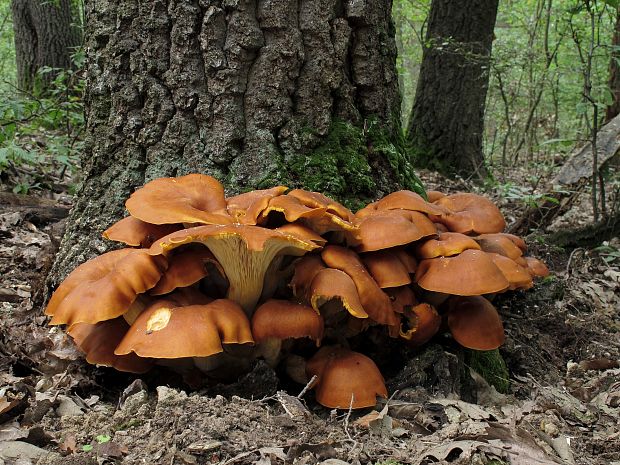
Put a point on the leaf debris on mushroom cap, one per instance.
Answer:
(475, 323)
(195, 198)
(346, 379)
(446, 245)
(98, 342)
(104, 287)
(137, 233)
(386, 268)
(168, 330)
(390, 228)
(470, 213)
(329, 284)
(245, 253)
(469, 273)
(376, 303)
(281, 319)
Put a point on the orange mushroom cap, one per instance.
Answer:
(105, 287)
(390, 228)
(474, 323)
(470, 213)
(306, 269)
(167, 330)
(407, 259)
(98, 342)
(302, 232)
(281, 319)
(423, 322)
(345, 378)
(318, 200)
(386, 268)
(137, 233)
(499, 243)
(469, 273)
(433, 196)
(185, 268)
(446, 245)
(195, 198)
(246, 208)
(244, 252)
(402, 298)
(517, 276)
(376, 303)
(401, 200)
(536, 267)
(330, 284)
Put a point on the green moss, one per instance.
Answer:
(340, 166)
(491, 366)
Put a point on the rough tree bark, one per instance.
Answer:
(447, 119)
(255, 93)
(45, 35)
(614, 72)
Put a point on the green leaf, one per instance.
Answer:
(87, 447)
(103, 438)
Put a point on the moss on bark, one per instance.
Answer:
(491, 366)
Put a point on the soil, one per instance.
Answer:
(563, 405)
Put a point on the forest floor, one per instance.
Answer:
(563, 406)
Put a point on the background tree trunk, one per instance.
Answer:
(614, 72)
(447, 120)
(254, 93)
(46, 34)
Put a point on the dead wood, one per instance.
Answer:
(37, 210)
(566, 186)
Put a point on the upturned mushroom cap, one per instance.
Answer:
(536, 267)
(401, 200)
(318, 200)
(246, 208)
(292, 209)
(302, 232)
(470, 213)
(98, 342)
(105, 287)
(446, 245)
(386, 268)
(346, 379)
(423, 322)
(329, 284)
(469, 273)
(244, 252)
(376, 303)
(281, 319)
(500, 243)
(474, 323)
(390, 228)
(185, 268)
(167, 330)
(137, 233)
(517, 276)
(195, 198)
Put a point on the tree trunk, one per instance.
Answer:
(45, 36)
(447, 120)
(614, 72)
(255, 93)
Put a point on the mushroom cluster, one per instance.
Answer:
(211, 283)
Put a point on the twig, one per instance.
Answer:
(570, 259)
(308, 386)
